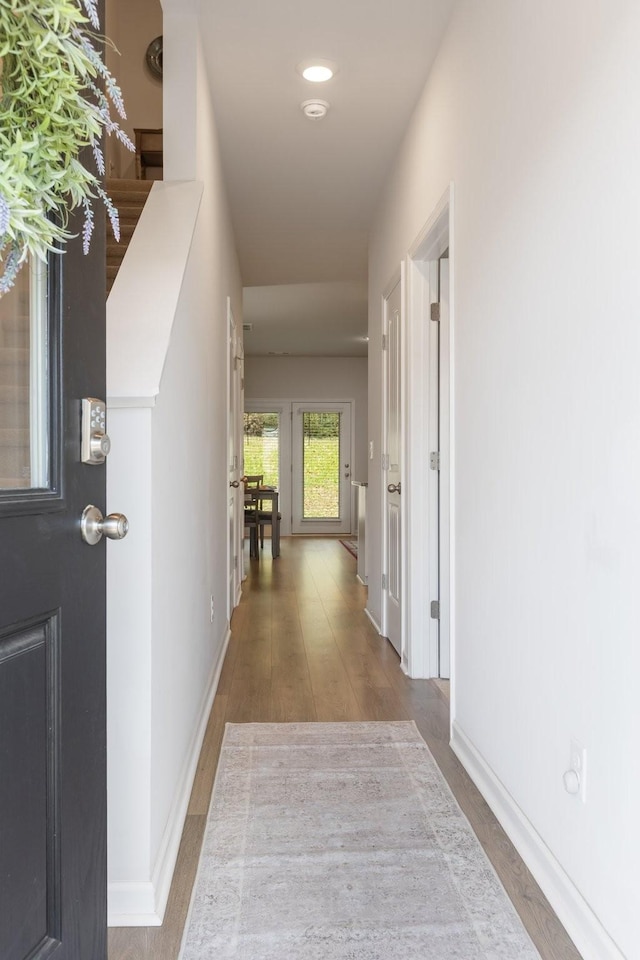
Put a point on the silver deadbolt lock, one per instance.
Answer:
(94, 526)
(95, 442)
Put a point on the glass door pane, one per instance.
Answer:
(321, 466)
(24, 415)
(262, 447)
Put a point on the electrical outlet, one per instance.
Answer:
(212, 609)
(575, 778)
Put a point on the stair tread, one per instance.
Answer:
(115, 258)
(129, 211)
(129, 199)
(114, 184)
(129, 196)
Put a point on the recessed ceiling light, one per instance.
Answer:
(317, 71)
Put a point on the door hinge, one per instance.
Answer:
(435, 609)
(435, 311)
(384, 581)
(384, 341)
(434, 460)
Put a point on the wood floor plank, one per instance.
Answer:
(291, 689)
(163, 943)
(208, 761)
(302, 649)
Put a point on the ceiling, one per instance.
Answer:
(303, 192)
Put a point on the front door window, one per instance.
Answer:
(24, 414)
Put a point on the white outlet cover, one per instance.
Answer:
(578, 763)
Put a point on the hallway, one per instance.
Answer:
(302, 649)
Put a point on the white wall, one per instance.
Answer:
(532, 111)
(314, 378)
(131, 26)
(169, 471)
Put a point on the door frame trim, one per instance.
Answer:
(347, 496)
(422, 554)
(282, 406)
(234, 433)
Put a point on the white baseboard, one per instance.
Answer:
(143, 904)
(132, 905)
(373, 620)
(580, 922)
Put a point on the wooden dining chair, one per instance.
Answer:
(265, 519)
(252, 524)
(252, 512)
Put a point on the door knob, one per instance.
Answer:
(94, 526)
(234, 483)
(395, 488)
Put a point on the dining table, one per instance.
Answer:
(269, 494)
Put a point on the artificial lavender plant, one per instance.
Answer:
(56, 98)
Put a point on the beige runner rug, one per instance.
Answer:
(342, 841)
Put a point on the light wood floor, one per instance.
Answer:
(302, 649)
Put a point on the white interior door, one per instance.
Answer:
(234, 512)
(322, 459)
(392, 462)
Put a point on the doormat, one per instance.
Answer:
(342, 841)
(351, 546)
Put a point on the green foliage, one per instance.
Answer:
(321, 469)
(321, 424)
(261, 458)
(55, 100)
(321, 476)
(255, 424)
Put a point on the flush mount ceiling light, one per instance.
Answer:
(314, 109)
(317, 71)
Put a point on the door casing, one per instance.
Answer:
(343, 526)
(429, 539)
(284, 407)
(234, 446)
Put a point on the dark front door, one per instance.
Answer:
(52, 616)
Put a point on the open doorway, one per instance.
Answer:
(304, 450)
